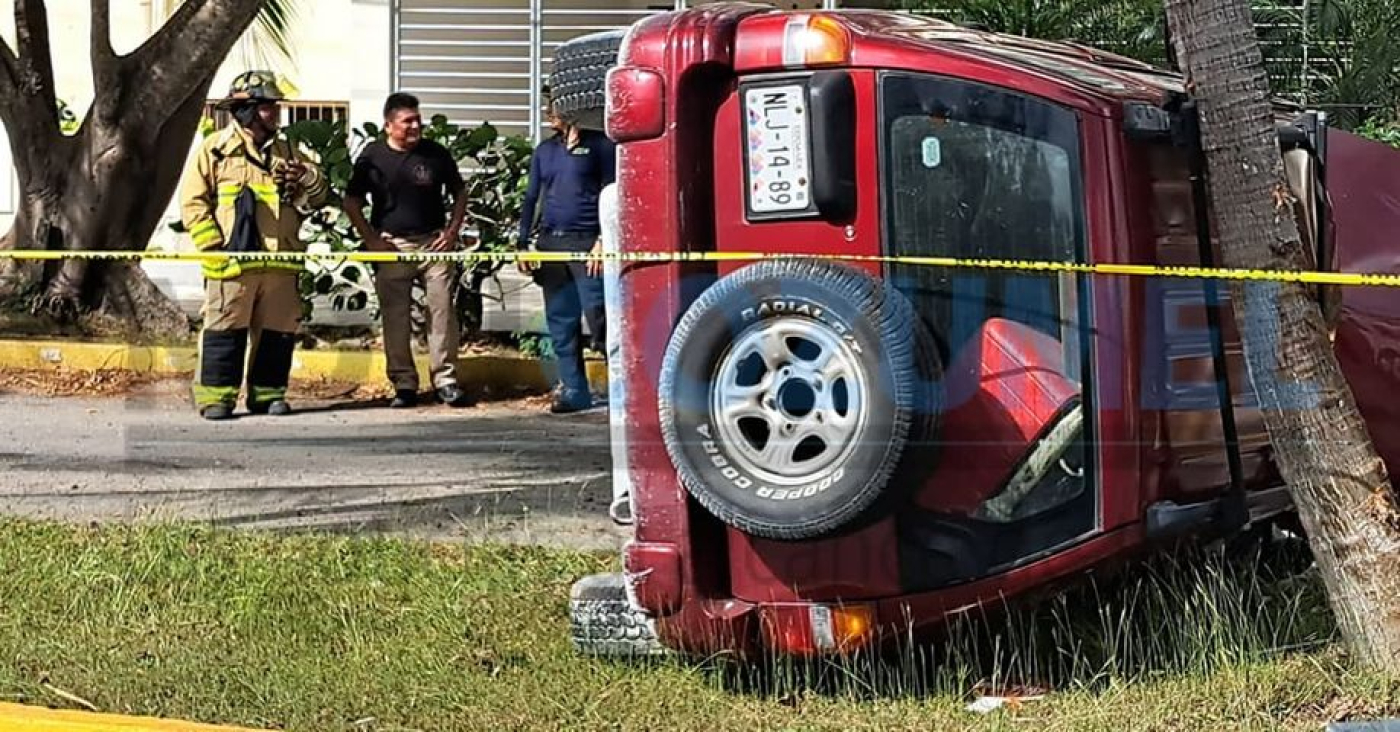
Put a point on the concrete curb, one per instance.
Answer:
(41, 719)
(501, 373)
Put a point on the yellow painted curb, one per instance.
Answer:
(19, 354)
(497, 372)
(21, 718)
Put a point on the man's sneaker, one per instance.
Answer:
(568, 402)
(216, 412)
(404, 399)
(452, 395)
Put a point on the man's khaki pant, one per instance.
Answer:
(253, 316)
(393, 282)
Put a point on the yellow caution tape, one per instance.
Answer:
(38, 719)
(1135, 270)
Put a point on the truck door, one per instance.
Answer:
(973, 171)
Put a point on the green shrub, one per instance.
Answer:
(1380, 130)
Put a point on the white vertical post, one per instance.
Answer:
(395, 42)
(536, 67)
(1307, 23)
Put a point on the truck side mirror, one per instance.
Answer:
(831, 97)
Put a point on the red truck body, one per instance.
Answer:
(1075, 175)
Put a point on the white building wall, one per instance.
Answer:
(372, 49)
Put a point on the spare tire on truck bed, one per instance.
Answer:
(578, 81)
(789, 392)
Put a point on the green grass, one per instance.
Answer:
(322, 633)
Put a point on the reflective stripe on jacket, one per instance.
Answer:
(226, 163)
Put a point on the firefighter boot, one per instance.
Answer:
(220, 372)
(269, 373)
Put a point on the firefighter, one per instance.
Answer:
(247, 191)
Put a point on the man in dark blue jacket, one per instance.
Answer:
(567, 174)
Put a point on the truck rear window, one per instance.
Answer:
(974, 171)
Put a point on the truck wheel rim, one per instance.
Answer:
(788, 401)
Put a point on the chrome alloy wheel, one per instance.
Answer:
(788, 400)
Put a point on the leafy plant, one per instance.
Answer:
(1340, 54)
(1380, 131)
(1343, 55)
(534, 345)
(328, 229)
(498, 173)
(1132, 28)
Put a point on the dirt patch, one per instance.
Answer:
(64, 382)
(119, 383)
(323, 388)
(326, 338)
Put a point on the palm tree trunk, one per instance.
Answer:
(1323, 448)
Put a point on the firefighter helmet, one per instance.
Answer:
(253, 86)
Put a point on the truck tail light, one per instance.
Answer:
(636, 104)
(817, 629)
(815, 40)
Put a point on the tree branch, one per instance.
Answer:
(187, 51)
(106, 67)
(35, 60)
(102, 29)
(34, 74)
(9, 74)
(160, 41)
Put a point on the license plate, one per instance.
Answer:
(778, 143)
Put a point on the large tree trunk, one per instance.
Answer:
(1322, 445)
(105, 188)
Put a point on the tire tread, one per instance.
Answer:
(604, 623)
(908, 347)
(578, 80)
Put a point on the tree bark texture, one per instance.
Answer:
(1322, 446)
(105, 187)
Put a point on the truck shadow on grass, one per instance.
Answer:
(1186, 615)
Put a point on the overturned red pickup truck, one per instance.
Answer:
(821, 455)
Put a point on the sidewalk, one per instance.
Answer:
(493, 372)
(506, 472)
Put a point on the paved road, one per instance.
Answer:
(495, 471)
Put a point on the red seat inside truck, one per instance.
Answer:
(1003, 392)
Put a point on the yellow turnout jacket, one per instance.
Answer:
(227, 162)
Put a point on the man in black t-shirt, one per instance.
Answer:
(408, 180)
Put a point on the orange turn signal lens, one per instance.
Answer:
(841, 628)
(815, 40)
(813, 629)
